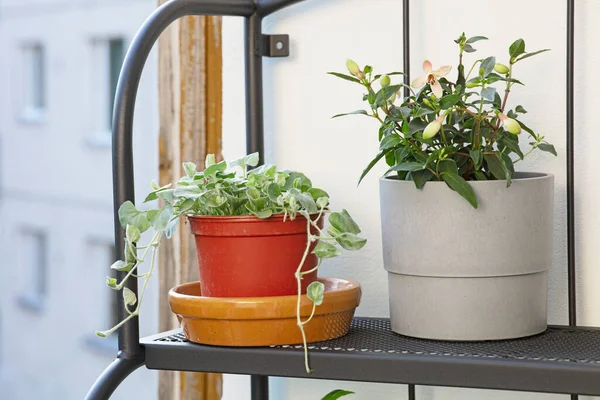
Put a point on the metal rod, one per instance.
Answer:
(406, 44)
(571, 162)
(254, 87)
(406, 54)
(572, 277)
(412, 395)
(260, 387)
(122, 150)
(112, 377)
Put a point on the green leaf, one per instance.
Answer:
(390, 141)
(408, 166)
(401, 153)
(348, 241)
(362, 112)
(548, 148)
(213, 169)
(336, 394)
(273, 191)
(306, 200)
(488, 93)
(316, 193)
(129, 297)
(384, 94)
(459, 185)
(111, 282)
(527, 55)
(129, 215)
(163, 218)
(343, 222)
(188, 192)
(346, 77)
(416, 125)
(480, 176)
(263, 214)
(121, 265)
(421, 177)
(326, 250)
(513, 146)
(521, 110)
(468, 48)
(322, 202)
(516, 49)
(315, 292)
(190, 169)
(494, 165)
(476, 39)
(372, 164)
(132, 233)
(476, 156)
(449, 100)
(171, 228)
(447, 165)
(508, 167)
(209, 160)
(487, 65)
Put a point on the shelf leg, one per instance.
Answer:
(260, 387)
(112, 377)
(411, 392)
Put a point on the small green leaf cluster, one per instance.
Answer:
(467, 134)
(230, 189)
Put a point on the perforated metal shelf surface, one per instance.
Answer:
(561, 360)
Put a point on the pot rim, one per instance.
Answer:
(245, 218)
(520, 176)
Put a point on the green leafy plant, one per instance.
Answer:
(451, 131)
(226, 189)
(336, 394)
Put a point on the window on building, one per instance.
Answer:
(108, 56)
(34, 82)
(33, 260)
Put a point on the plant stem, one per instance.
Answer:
(298, 275)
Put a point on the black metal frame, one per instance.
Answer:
(131, 353)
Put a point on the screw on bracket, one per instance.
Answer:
(275, 46)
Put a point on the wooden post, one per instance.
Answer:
(190, 106)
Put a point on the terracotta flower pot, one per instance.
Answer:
(244, 256)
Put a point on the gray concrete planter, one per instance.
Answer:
(459, 273)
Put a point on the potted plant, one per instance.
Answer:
(467, 241)
(258, 233)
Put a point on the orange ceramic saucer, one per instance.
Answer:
(263, 321)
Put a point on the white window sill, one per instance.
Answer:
(33, 116)
(102, 140)
(31, 303)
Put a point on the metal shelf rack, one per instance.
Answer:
(561, 360)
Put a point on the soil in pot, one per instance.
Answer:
(244, 256)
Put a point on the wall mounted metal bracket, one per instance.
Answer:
(274, 46)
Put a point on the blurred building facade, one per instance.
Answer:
(59, 63)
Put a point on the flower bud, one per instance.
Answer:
(501, 68)
(385, 81)
(471, 85)
(353, 68)
(432, 129)
(512, 126)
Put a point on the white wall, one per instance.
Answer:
(300, 99)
